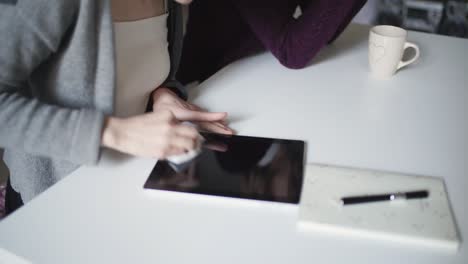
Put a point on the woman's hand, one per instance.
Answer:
(165, 99)
(155, 135)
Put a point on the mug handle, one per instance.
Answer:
(416, 56)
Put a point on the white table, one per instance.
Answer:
(413, 123)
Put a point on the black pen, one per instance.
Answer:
(384, 197)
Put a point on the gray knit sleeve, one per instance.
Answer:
(29, 35)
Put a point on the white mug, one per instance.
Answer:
(387, 45)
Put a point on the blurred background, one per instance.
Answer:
(445, 17)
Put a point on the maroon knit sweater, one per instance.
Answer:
(222, 31)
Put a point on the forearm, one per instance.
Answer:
(34, 127)
(295, 41)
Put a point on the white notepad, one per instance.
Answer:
(427, 222)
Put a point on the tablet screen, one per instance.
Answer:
(237, 166)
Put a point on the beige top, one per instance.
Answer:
(142, 62)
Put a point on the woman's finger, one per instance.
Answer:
(193, 107)
(197, 108)
(216, 146)
(200, 116)
(215, 127)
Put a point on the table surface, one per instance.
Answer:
(413, 123)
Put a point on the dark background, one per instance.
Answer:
(445, 17)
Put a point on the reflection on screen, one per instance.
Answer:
(237, 166)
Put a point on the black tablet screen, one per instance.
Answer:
(237, 166)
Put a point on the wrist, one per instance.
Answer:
(110, 132)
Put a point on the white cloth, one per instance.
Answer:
(142, 62)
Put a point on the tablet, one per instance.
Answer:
(245, 167)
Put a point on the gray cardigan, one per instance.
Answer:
(57, 84)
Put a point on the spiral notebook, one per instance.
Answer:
(425, 222)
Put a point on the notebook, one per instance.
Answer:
(425, 222)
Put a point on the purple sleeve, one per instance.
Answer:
(294, 42)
